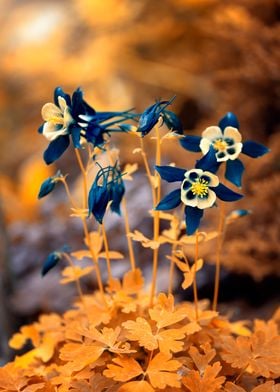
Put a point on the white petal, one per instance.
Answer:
(68, 119)
(197, 171)
(223, 159)
(212, 133)
(62, 103)
(186, 201)
(206, 202)
(232, 133)
(214, 180)
(238, 148)
(205, 145)
(51, 112)
(51, 131)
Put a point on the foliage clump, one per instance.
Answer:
(125, 336)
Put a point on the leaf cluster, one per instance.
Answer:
(131, 346)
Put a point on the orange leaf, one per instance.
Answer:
(146, 242)
(133, 281)
(162, 371)
(112, 255)
(140, 330)
(81, 355)
(71, 274)
(136, 386)
(206, 381)
(125, 369)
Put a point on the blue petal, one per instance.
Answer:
(76, 135)
(254, 149)
(79, 106)
(47, 187)
(229, 120)
(170, 201)
(98, 200)
(208, 162)
(172, 122)
(193, 218)
(170, 173)
(56, 148)
(117, 195)
(191, 143)
(226, 194)
(58, 92)
(234, 171)
(51, 261)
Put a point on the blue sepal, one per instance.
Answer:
(51, 261)
(191, 143)
(234, 171)
(47, 187)
(170, 201)
(170, 173)
(98, 200)
(76, 135)
(117, 194)
(40, 129)
(226, 194)
(56, 148)
(193, 218)
(79, 106)
(58, 92)
(172, 121)
(94, 134)
(253, 149)
(208, 162)
(229, 120)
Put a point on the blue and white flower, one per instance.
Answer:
(72, 117)
(199, 189)
(228, 145)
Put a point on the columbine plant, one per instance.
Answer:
(122, 337)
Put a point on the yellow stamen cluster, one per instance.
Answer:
(220, 145)
(200, 188)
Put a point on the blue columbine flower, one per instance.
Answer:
(227, 142)
(199, 190)
(151, 115)
(51, 261)
(74, 117)
(107, 187)
(48, 185)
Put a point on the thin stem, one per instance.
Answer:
(148, 171)
(86, 232)
(172, 268)
(129, 240)
(106, 246)
(72, 202)
(156, 218)
(218, 254)
(84, 174)
(194, 277)
(77, 279)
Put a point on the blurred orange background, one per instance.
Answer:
(215, 56)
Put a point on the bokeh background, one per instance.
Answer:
(216, 56)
